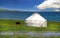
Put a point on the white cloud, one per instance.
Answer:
(57, 10)
(49, 4)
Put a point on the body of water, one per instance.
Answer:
(50, 16)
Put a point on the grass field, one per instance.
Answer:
(10, 25)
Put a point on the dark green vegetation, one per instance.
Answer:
(10, 25)
(16, 36)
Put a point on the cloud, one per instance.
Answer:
(49, 4)
(57, 10)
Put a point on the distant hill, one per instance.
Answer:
(11, 10)
(8, 10)
(14, 10)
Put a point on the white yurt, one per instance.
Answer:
(36, 20)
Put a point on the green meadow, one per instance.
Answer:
(10, 25)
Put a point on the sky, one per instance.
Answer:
(20, 4)
(31, 5)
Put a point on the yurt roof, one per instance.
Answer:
(36, 16)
